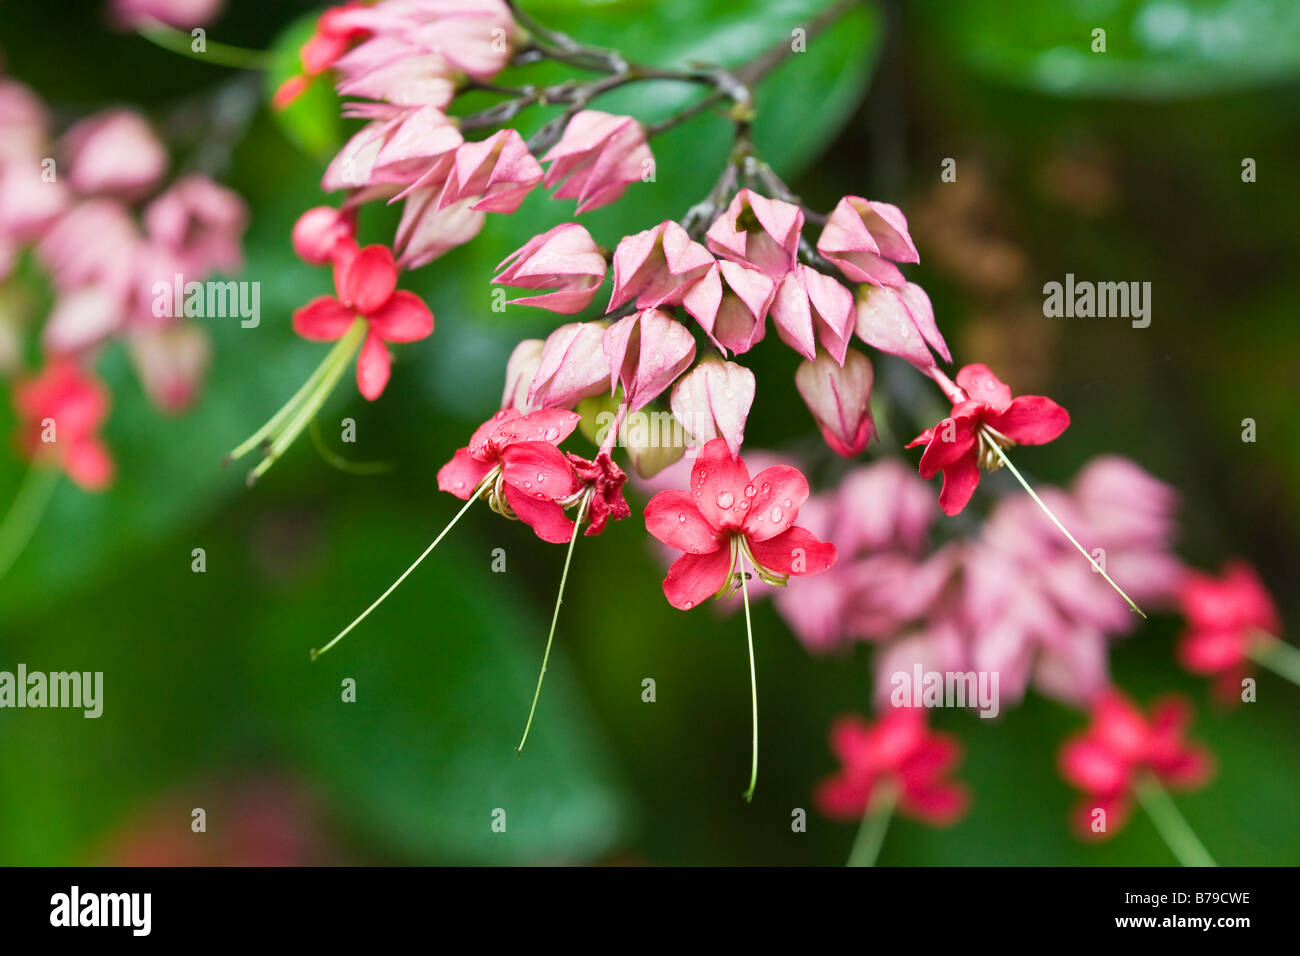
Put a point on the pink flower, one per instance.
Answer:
(962, 443)
(647, 351)
(900, 320)
(727, 515)
(564, 259)
(513, 459)
(171, 363)
(733, 313)
(839, 397)
(812, 307)
(897, 751)
(399, 148)
(59, 415)
(657, 266)
(758, 232)
(366, 284)
(521, 369)
(94, 243)
(1108, 760)
(320, 231)
(496, 174)
(200, 224)
(865, 239)
(713, 401)
(114, 152)
(393, 69)
(1227, 618)
(597, 158)
(181, 14)
(426, 232)
(573, 366)
(336, 30)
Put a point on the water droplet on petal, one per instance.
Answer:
(725, 500)
(681, 516)
(766, 487)
(689, 605)
(528, 484)
(787, 502)
(552, 434)
(541, 476)
(749, 491)
(776, 514)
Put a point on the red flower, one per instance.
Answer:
(530, 478)
(1226, 618)
(1107, 760)
(896, 751)
(366, 282)
(59, 414)
(960, 444)
(605, 479)
(726, 514)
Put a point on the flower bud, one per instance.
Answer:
(713, 401)
(839, 399)
(319, 230)
(521, 369)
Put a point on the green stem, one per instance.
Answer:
(25, 513)
(336, 364)
(1278, 656)
(1171, 824)
(753, 682)
(335, 460)
(1048, 511)
(555, 616)
(875, 824)
(222, 54)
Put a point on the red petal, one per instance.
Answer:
(367, 280)
(960, 480)
(372, 367)
(697, 577)
(1031, 420)
(795, 551)
(718, 483)
(461, 475)
(546, 518)
(323, 319)
(88, 463)
(538, 470)
(1093, 767)
(843, 797)
(671, 516)
(941, 453)
(1116, 807)
(779, 492)
(403, 318)
(939, 804)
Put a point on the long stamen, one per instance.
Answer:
(753, 683)
(875, 823)
(1277, 655)
(1048, 511)
(393, 587)
(25, 513)
(346, 465)
(1172, 825)
(342, 356)
(555, 616)
(274, 422)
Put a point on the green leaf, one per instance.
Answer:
(1153, 48)
(312, 121)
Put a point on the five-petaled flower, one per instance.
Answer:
(898, 752)
(728, 515)
(988, 420)
(1110, 759)
(513, 459)
(366, 283)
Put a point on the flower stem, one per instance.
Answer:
(25, 513)
(753, 682)
(875, 823)
(222, 54)
(405, 574)
(1277, 655)
(1171, 824)
(555, 617)
(1048, 511)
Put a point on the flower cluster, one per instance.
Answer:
(121, 249)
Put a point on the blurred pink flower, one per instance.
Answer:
(114, 152)
(201, 224)
(59, 413)
(181, 14)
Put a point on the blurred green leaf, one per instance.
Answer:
(312, 120)
(1154, 48)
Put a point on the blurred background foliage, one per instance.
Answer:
(1117, 166)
